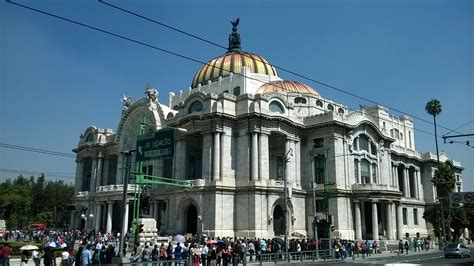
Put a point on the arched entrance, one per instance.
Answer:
(278, 221)
(191, 219)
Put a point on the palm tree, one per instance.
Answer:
(433, 107)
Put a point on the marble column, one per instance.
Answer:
(389, 221)
(119, 174)
(397, 184)
(110, 207)
(420, 185)
(399, 221)
(405, 183)
(79, 174)
(125, 219)
(358, 222)
(93, 175)
(263, 157)
(99, 172)
(216, 157)
(207, 144)
(155, 209)
(98, 215)
(375, 221)
(254, 151)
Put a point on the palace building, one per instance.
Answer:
(246, 131)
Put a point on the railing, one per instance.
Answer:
(372, 186)
(234, 259)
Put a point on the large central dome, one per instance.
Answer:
(232, 61)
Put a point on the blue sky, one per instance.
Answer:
(56, 78)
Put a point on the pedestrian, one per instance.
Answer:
(5, 253)
(251, 248)
(48, 257)
(36, 257)
(400, 247)
(24, 257)
(407, 246)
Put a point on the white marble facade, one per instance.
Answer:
(232, 152)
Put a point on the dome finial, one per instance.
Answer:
(234, 37)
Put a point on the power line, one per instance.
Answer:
(275, 66)
(189, 58)
(30, 172)
(48, 152)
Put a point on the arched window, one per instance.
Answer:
(169, 116)
(330, 107)
(340, 110)
(373, 148)
(300, 100)
(276, 107)
(355, 144)
(195, 107)
(364, 143)
(319, 103)
(237, 91)
(90, 137)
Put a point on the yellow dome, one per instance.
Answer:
(286, 86)
(232, 61)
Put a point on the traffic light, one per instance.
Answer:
(140, 228)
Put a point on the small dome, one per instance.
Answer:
(286, 86)
(232, 61)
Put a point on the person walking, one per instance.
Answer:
(400, 246)
(36, 257)
(5, 253)
(407, 246)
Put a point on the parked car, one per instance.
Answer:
(457, 250)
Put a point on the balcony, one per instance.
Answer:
(114, 188)
(374, 187)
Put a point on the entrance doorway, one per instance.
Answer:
(278, 221)
(191, 219)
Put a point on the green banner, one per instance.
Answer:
(160, 145)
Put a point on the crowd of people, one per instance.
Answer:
(97, 248)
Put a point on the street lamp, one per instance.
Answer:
(286, 196)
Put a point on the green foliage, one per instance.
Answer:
(444, 179)
(433, 107)
(26, 201)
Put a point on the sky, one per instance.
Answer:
(58, 78)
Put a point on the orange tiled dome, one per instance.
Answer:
(286, 86)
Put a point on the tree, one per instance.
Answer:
(433, 107)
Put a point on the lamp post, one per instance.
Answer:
(286, 196)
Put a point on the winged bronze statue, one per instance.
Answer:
(235, 23)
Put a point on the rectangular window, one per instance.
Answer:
(374, 173)
(415, 216)
(365, 172)
(405, 221)
(168, 168)
(318, 143)
(319, 164)
(320, 205)
(147, 169)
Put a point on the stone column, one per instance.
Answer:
(98, 215)
(297, 164)
(216, 157)
(263, 157)
(358, 223)
(125, 219)
(119, 178)
(156, 210)
(100, 163)
(93, 175)
(389, 221)
(375, 222)
(110, 206)
(79, 175)
(399, 221)
(207, 144)
(254, 157)
(420, 185)
(396, 177)
(405, 183)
